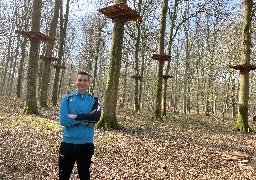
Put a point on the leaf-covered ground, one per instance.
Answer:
(181, 147)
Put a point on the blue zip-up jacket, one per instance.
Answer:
(77, 131)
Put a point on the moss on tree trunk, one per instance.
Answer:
(108, 122)
(242, 120)
(29, 108)
(108, 118)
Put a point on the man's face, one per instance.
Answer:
(82, 83)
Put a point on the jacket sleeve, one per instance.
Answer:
(64, 111)
(93, 117)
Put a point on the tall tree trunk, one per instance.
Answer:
(187, 75)
(200, 56)
(142, 71)
(125, 78)
(30, 106)
(13, 71)
(96, 59)
(159, 81)
(212, 49)
(14, 54)
(21, 68)
(185, 85)
(47, 64)
(176, 94)
(198, 86)
(170, 41)
(63, 30)
(100, 79)
(108, 118)
(10, 68)
(242, 124)
(137, 47)
(8, 61)
(25, 20)
(233, 97)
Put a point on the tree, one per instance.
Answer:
(63, 30)
(186, 87)
(211, 47)
(24, 24)
(242, 124)
(47, 63)
(108, 117)
(30, 106)
(8, 57)
(100, 26)
(137, 47)
(170, 41)
(159, 80)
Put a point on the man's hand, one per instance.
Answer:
(90, 124)
(93, 111)
(73, 116)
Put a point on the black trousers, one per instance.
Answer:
(71, 153)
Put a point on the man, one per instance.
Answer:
(79, 111)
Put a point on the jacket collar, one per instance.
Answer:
(81, 94)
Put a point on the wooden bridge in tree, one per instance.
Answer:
(136, 77)
(121, 11)
(243, 67)
(48, 58)
(162, 57)
(166, 77)
(35, 35)
(41, 37)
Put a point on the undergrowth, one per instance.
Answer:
(179, 147)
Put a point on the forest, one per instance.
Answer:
(175, 79)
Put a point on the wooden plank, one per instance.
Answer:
(120, 10)
(35, 35)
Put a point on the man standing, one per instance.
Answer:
(79, 111)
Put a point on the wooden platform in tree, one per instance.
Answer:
(136, 77)
(48, 58)
(35, 35)
(120, 10)
(159, 57)
(243, 67)
(58, 66)
(167, 76)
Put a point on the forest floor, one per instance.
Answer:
(181, 147)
